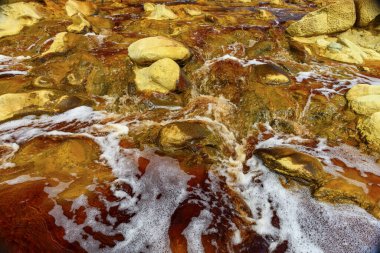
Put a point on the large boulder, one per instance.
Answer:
(152, 49)
(162, 76)
(14, 17)
(370, 130)
(366, 11)
(336, 17)
(364, 99)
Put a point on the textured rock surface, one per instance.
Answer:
(336, 17)
(366, 11)
(370, 129)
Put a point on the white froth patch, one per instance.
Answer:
(22, 179)
(193, 232)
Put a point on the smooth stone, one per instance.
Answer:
(338, 191)
(336, 17)
(14, 17)
(289, 162)
(160, 12)
(13, 104)
(74, 7)
(360, 90)
(180, 135)
(162, 76)
(366, 105)
(271, 75)
(152, 49)
(193, 12)
(62, 43)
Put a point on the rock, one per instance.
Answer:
(193, 12)
(43, 82)
(35, 102)
(360, 90)
(336, 17)
(370, 130)
(366, 105)
(289, 162)
(181, 135)
(364, 99)
(63, 42)
(338, 191)
(339, 49)
(162, 76)
(366, 11)
(364, 39)
(14, 17)
(271, 75)
(266, 15)
(152, 49)
(79, 25)
(159, 12)
(74, 7)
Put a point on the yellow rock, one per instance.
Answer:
(364, 99)
(341, 48)
(336, 17)
(159, 12)
(152, 49)
(12, 104)
(366, 10)
(14, 17)
(193, 12)
(338, 191)
(162, 76)
(80, 24)
(299, 166)
(370, 129)
(266, 15)
(86, 8)
(366, 105)
(63, 42)
(362, 90)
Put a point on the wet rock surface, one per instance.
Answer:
(189, 126)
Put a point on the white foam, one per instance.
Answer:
(22, 179)
(307, 225)
(193, 232)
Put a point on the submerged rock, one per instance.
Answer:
(338, 191)
(74, 7)
(35, 102)
(184, 135)
(271, 75)
(366, 11)
(162, 76)
(336, 17)
(14, 17)
(152, 49)
(63, 42)
(299, 166)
